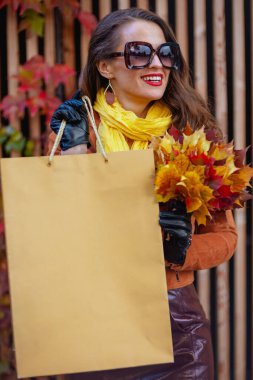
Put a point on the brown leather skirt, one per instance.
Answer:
(191, 343)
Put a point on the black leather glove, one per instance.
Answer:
(177, 232)
(75, 115)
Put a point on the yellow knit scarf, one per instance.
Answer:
(117, 124)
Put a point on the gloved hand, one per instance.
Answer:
(177, 234)
(76, 131)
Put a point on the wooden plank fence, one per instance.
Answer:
(216, 39)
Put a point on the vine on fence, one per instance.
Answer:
(33, 13)
(37, 82)
(33, 77)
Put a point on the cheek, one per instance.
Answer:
(167, 74)
(127, 78)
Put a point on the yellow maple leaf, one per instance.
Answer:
(230, 165)
(202, 214)
(221, 151)
(196, 142)
(194, 191)
(167, 143)
(166, 180)
(182, 163)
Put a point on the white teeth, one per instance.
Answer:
(153, 78)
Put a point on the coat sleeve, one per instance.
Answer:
(214, 243)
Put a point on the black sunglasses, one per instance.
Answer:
(139, 55)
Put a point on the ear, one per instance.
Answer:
(104, 69)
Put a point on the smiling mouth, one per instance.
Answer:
(153, 80)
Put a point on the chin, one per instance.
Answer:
(155, 95)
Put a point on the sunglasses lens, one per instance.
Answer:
(139, 55)
(169, 56)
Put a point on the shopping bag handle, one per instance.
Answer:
(89, 109)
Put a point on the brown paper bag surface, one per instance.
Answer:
(86, 266)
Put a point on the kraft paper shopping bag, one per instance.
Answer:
(85, 256)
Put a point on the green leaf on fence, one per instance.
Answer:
(5, 133)
(15, 142)
(33, 21)
(29, 147)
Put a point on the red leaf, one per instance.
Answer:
(214, 203)
(174, 132)
(32, 73)
(245, 196)
(22, 5)
(13, 106)
(224, 191)
(188, 130)
(37, 65)
(43, 103)
(88, 21)
(211, 135)
(64, 5)
(30, 4)
(34, 103)
(27, 81)
(60, 73)
(201, 159)
(212, 179)
(13, 4)
(224, 203)
(240, 155)
(51, 103)
(35, 70)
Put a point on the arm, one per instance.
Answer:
(214, 244)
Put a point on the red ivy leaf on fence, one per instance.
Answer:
(63, 4)
(88, 21)
(37, 65)
(27, 80)
(33, 13)
(35, 70)
(35, 103)
(31, 74)
(22, 5)
(13, 106)
(60, 73)
(44, 103)
(50, 106)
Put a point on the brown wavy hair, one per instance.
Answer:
(185, 103)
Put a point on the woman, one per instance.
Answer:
(138, 83)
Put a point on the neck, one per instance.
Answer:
(140, 109)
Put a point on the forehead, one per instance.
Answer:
(141, 30)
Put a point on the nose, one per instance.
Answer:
(155, 61)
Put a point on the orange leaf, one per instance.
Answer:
(241, 179)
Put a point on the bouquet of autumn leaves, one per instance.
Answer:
(206, 174)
